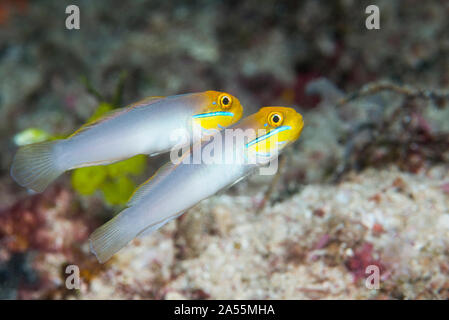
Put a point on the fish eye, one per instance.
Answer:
(275, 119)
(225, 101)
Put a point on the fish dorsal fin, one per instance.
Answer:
(148, 185)
(145, 101)
(116, 112)
(158, 176)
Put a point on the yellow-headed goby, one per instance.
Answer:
(144, 127)
(176, 187)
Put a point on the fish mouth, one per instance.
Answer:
(214, 114)
(267, 135)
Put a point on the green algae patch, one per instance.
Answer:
(114, 180)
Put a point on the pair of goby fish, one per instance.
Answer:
(145, 128)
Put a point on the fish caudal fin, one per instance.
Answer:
(112, 236)
(34, 166)
(115, 234)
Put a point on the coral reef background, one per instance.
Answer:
(366, 184)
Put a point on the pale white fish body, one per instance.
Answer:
(171, 191)
(187, 185)
(144, 128)
(177, 187)
(141, 130)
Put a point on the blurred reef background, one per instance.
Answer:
(366, 184)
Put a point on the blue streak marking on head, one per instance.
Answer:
(263, 154)
(214, 114)
(266, 136)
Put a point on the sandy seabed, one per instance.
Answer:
(314, 245)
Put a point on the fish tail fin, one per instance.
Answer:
(108, 239)
(34, 165)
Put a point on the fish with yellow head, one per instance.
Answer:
(271, 130)
(220, 111)
(175, 187)
(145, 127)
